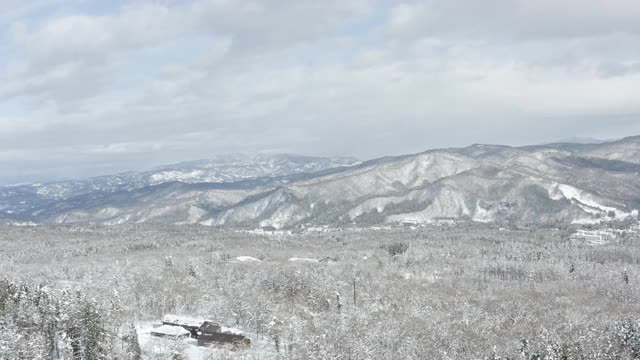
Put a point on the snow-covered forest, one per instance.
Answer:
(451, 292)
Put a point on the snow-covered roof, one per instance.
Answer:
(297, 259)
(227, 330)
(247, 258)
(168, 330)
(184, 320)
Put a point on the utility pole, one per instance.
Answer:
(354, 292)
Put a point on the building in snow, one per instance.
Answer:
(594, 237)
(212, 335)
(207, 332)
(190, 324)
(443, 220)
(409, 222)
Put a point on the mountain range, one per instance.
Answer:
(551, 183)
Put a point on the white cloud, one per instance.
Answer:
(492, 20)
(333, 77)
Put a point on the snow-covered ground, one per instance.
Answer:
(587, 202)
(299, 259)
(155, 347)
(26, 223)
(247, 259)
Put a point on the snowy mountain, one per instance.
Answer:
(561, 182)
(232, 168)
(27, 200)
(580, 140)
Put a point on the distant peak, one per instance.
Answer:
(580, 140)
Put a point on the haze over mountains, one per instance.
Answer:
(562, 182)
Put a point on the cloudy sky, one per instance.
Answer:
(92, 87)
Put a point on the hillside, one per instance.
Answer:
(563, 182)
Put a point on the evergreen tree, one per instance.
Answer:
(133, 351)
(97, 343)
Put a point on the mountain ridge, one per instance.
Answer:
(571, 183)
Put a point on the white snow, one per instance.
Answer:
(184, 176)
(23, 224)
(247, 259)
(380, 203)
(108, 212)
(448, 203)
(208, 222)
(287, 215)
(586, 221)
(586, 201)
(298, 259)
(483, 215)
(194, 214)
(156, 347)
(184, 320)
(316, 229)
(382, 179)
(118, 220)
(171, 331)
